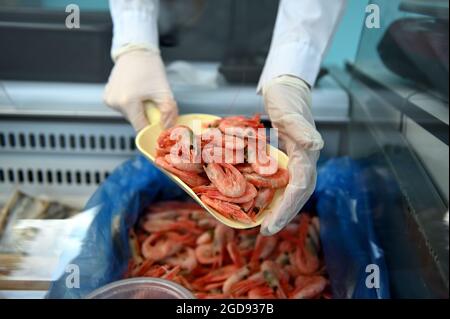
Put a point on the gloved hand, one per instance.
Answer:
(288, 102)
(137, 77)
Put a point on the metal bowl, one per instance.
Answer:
(141, 288)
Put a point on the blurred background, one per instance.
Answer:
(344, 45)
(222, 28)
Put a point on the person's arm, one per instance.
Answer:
(139, 74)
(135, 24)
(302, 34)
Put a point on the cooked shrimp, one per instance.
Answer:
(215, 276)
(166, 140)
(228, 210)
(236, 277)
(235, 254)
(263, 199)
(263, 164)
(212, 253)
(191, 179)
(183, 164)
(273, 277)
(222, 155)
(186, 259)
(212, 192)
(161, 225)
(262, 292)
(241, 126)
(263, 248)
(244, 286)
(185, 245)
(279, 180)
(219, 155)
(228, 180)
(206, 256)
(222, 235)
(159, 249)
(308, 287)
(205, 238)
(215, 138)
(245, 168)
(305, 257)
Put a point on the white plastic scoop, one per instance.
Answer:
(146, 142)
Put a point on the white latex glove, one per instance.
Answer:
(288, 103)
(139, 76)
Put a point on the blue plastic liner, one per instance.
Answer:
(345, 196)
(105, 252)
(342, 200)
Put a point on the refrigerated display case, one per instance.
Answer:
(60, 141)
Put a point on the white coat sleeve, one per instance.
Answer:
(135, 24)
(302, 34)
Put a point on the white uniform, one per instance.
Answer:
(302, 33)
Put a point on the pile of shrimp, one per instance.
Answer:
(233, 185)
(182, 243)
